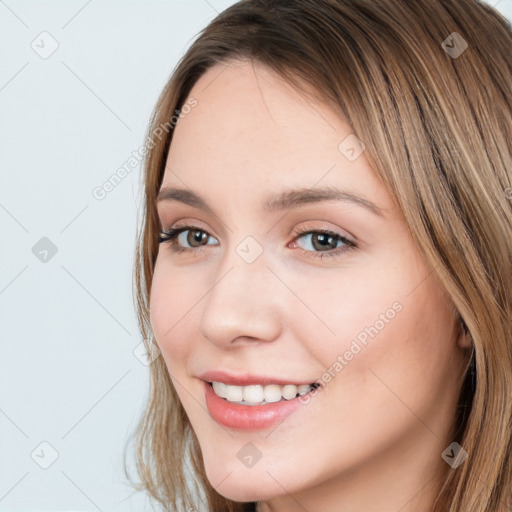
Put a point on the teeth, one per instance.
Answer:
(253, 394)
(289, 391)
(272, 393)
(259, 395)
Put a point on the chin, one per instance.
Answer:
(243, 485)
(245, 492)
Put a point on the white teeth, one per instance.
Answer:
(253, 394)
(234, 393)
(257, 394)
(272, 393)
(303, 388)
(289, 391)
(220, 389)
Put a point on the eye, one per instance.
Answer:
(321, 241)
(196, 238)
(325, 241)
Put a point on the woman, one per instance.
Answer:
(325, 262)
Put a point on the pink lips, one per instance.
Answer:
(248, 379)
(247, 417)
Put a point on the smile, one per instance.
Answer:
(260, 394)
(255, 412)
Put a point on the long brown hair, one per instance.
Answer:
(427, 86)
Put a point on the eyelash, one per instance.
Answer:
(169, 236)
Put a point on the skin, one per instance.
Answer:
(372, 439)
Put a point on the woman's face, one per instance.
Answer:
(265, 292)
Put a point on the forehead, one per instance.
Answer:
(248, 98)
(252, 131)
(245, 107)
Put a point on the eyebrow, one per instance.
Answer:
(277, 202)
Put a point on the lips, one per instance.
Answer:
(249, 379)
(251, 417)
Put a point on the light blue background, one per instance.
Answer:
(68, 374)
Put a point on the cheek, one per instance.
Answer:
(393, 335)
(357, 308)
(171, 313)
(403, 370)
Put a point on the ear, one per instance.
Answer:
(463, 336)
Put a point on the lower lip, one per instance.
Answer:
(249, 417)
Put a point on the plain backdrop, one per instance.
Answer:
(78, 81)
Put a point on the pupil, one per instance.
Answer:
(197, 236)
(323, 239)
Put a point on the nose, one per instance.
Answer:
(243, 304)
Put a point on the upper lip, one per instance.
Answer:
(248, 379)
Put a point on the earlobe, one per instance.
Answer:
(464, 337)
(465, 340)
